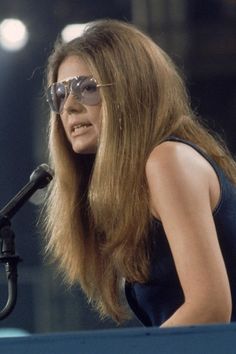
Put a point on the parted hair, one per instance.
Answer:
(97, 210)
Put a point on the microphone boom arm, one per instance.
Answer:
(38, 179)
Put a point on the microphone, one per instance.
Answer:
(39, 178)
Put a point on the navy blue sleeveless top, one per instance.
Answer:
(155, 301)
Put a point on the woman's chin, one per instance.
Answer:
(84, 149)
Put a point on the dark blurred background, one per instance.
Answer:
(199, 35)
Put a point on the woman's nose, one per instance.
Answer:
(72, 104)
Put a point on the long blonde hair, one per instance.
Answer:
(98, 206)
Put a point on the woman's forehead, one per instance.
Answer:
(72, 66)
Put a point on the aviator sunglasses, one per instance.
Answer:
(84, 88)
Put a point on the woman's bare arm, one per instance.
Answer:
(179, 184)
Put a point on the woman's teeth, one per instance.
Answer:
(81, 125)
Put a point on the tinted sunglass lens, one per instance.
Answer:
(86, 91)
(50, 98)
(56, 94)
(60, 95)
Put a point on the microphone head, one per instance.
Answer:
(42, 175)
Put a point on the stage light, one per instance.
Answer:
(13, 34)
(72, 31)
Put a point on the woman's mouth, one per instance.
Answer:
(80, 128)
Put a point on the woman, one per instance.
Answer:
(142, 191)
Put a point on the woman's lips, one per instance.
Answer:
(80, 129)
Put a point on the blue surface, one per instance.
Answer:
(217, 339)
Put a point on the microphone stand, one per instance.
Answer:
(8, 256)
(38, 179)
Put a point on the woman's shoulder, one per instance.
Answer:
(176, 157)
(174, 167)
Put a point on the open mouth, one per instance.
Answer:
(81, 125)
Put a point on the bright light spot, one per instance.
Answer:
(13, 34)
(72, 31)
